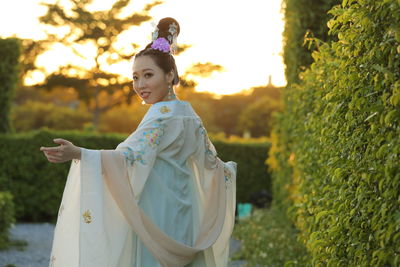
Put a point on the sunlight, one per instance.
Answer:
(244, 37)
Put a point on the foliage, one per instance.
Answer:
(257, 117)
(304, 19)
(9, 72)
(6, 217)
(37, 184)
(99, 88)
(335, 147)
(123, 118)
(233, 113)
(34, 115)
(268, 238)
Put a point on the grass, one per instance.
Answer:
(268, 239)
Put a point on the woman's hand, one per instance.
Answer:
(65, 152)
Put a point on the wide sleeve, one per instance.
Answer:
(136, 156)
(215, 204)
(99, 209)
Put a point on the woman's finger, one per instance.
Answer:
(50, 149)
(54, 159)
(61, 141)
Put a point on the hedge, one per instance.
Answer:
(303, 19)
(6, 217)
(10, 50)
(37, 184)
(336, 146)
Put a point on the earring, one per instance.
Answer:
(143, 102)
(171, 94)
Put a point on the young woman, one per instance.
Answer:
(162, 197)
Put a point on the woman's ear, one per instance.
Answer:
(170, 76)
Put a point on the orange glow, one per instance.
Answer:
(245, 37)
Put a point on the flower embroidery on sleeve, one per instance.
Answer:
(87, 216)
(153, 136)
(150, 138)
(131, 156)
(227, 175)
(206, 140)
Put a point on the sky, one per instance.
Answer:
(245, 37)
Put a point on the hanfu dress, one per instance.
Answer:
(162, 198)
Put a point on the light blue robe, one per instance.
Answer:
(165, 175)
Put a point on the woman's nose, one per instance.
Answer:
(141, 83)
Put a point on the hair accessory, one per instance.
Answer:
(173, 29)
(161, 44)
(154, 34)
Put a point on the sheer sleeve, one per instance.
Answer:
(137, 154)
(99, 209)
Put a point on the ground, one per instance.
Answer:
(39, 237)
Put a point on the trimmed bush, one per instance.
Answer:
(6, 217)
(303, 19)
(10, 50)
(37, 184)
(336, 149)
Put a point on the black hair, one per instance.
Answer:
(164, 60)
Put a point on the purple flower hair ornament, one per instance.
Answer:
(161, 44)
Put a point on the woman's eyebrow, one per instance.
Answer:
(143, 70)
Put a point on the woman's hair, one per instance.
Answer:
(164, 60)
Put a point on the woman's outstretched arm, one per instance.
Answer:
(66, 151)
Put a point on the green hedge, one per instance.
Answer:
(337, 150)
(303, 19)
(10, 50)
(6, 217)
(37, 184)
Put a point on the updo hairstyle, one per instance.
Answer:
(163, 60)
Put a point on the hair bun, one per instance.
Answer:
(163, 27)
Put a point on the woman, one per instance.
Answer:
(162, 197)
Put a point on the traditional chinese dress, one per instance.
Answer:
(161, 198)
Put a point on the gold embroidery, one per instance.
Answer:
(53, 259)
(61, 209)
(164, 109)
(227, 174)
(87, 216)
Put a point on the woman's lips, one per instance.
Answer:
(145, 94)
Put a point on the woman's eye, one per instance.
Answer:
(134, 78)
(148, 75)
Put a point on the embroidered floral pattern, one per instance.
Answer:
(206, 140)
(132, 156)
(150, 138)
(87, 216)
(227, 174)
(164, 109)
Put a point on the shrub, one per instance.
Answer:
(6, 217)
(37, 184)
(336, 150)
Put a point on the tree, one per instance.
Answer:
(99, 89)
(257, 117)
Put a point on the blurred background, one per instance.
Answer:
(76, 62)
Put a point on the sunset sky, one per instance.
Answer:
(245, 37)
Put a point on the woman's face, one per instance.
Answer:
(149, 81)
